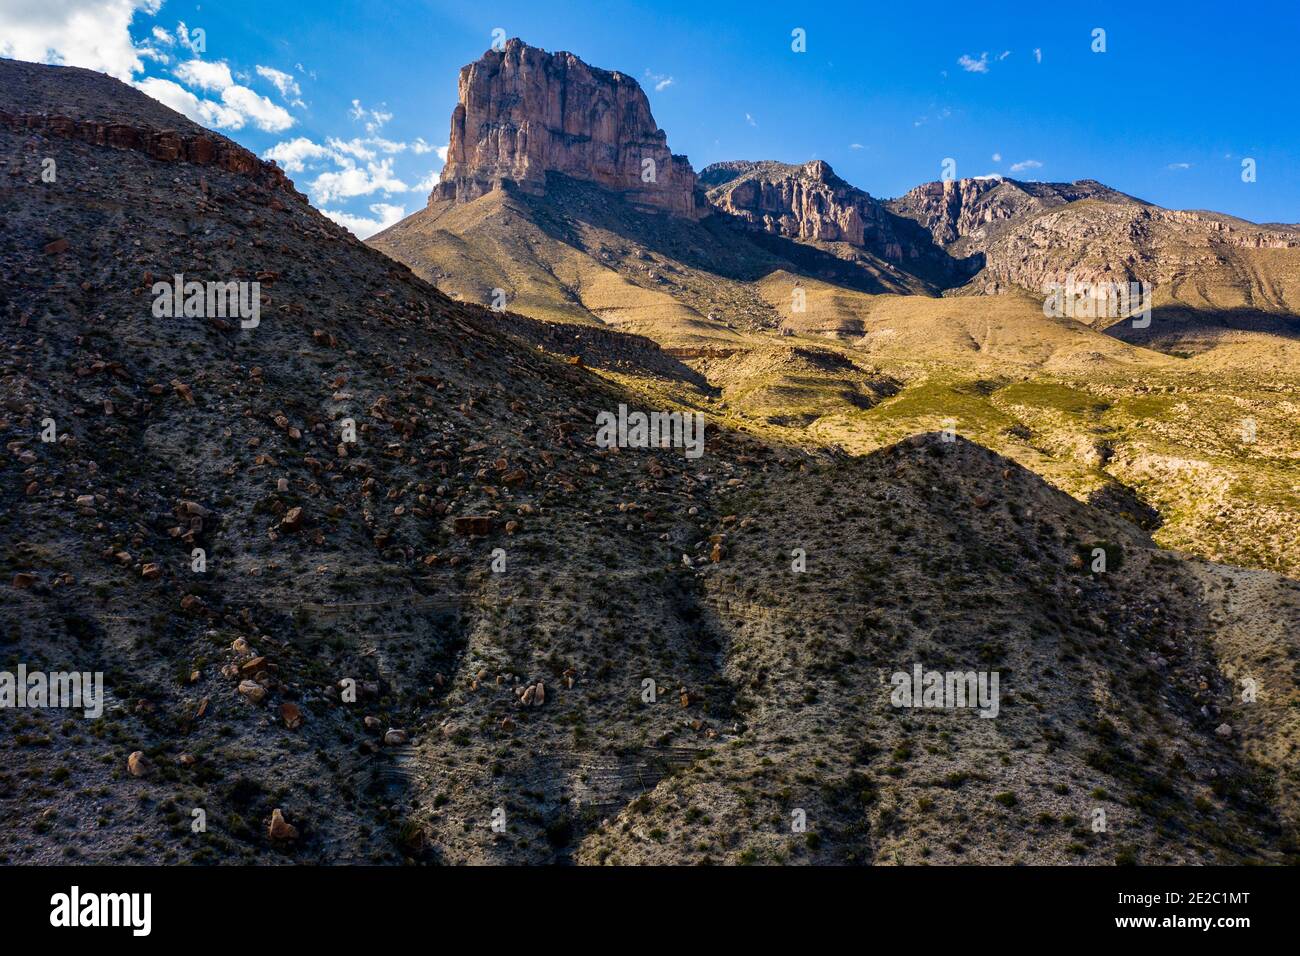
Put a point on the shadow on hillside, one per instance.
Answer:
(716, 244)
(606, 349)
(1183, 331)
(1119, 499)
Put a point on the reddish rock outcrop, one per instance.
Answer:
(524, 113)
(168, 146)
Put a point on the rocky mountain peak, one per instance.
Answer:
(956, 209)
(809, 201)
(524, 113)
(805, 201)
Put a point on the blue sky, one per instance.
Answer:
(355, 98)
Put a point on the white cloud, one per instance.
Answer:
(294, 154)
(265, 115)
(91, 33)
(388, 145)
(972, 65)
(1026, 164)
(289, 89)
(205, 75)
(348, 178)
(1179, 166)
(355, 181)
(750, 120)
(96, 34)
(354, 147)
(1038, 54)
(384, 216)
(205, 112)
(184, 37)
(997, 157)
(661, 81)
(239, 105)
(855, 145)
(369, 147)
(427, 183)
(152, 53)
(1004, 54)
(374, 119)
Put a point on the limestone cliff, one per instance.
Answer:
(524, 113)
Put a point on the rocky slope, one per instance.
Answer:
(1032, 235)
(965, 209)
(1108, 749)
(524, 113)
(346, 470)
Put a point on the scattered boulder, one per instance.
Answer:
(291, 715)
(478, 525)
(138, 764)
(281, 830)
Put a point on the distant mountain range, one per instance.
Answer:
(525, 115)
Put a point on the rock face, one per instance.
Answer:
(802, 202)
(957, 209)
(524, 113)
(1036, 235)
(810, 201)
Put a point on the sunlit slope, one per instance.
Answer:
(493, 243)
(963, 330)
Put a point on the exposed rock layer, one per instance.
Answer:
(169, 146)
(803, 202)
